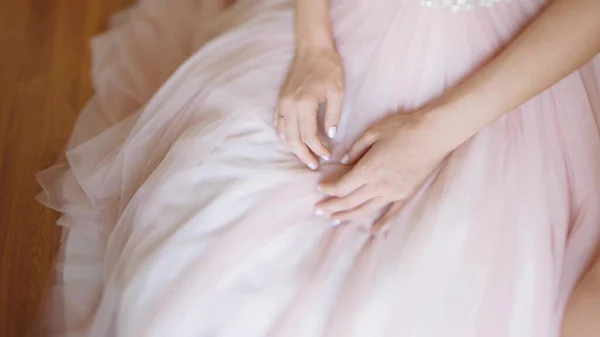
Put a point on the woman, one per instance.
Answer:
(417, 172)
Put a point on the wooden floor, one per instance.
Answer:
(44, 82)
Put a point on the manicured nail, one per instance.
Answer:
(319, 212)
(345, 159)
(312, 166)
(325, 158)
(336, 223)
(332, 131)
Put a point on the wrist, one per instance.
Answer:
(314, 40)
(463, 112)
(312, 26)
(454, 122)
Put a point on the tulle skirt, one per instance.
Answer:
(184, 215)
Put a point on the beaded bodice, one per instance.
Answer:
(459, 5)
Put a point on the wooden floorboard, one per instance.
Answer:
(44, 82)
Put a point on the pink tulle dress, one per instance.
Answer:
(185, 216)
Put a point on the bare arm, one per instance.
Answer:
(395, 156)
(564, 37)
(561, 39)
(312, 25)
(315, 76)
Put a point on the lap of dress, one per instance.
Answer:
(185, 216)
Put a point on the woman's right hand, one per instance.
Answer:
(314, 77)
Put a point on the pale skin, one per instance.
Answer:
(387, 168)
(316, 76)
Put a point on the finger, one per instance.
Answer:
(281, 133)
(362, 211)
(381, 226)
(292, 134)
(280, 126)
(279, 121)
(349, 182)
(333, 112)
(335, 205)
(307, 117)
(360, 147)
(276, 114)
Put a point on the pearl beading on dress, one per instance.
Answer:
(460, 5)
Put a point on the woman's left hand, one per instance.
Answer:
(393, 159)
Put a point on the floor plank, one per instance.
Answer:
(44, 82)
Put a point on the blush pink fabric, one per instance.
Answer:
(185, 216)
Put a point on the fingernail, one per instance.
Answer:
(319, 212)
(336, 223)
(331, 132)
(325, 158)
(345, 159)
(312, 166)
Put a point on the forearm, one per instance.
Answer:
(312, 25)
(582, 315)
(561, 39)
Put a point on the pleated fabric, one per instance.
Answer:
(184, 215)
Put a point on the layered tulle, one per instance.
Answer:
(185, 216)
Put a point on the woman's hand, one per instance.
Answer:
(315, 76)
(402, 151)
(393, 159)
